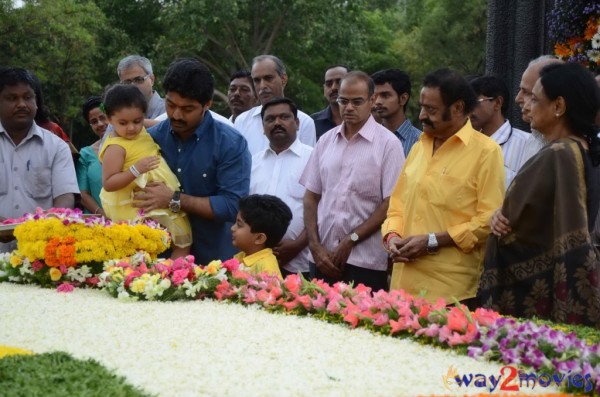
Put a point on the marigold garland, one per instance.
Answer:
(64, 246)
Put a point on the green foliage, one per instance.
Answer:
(437, 34)
(75, 45)
(58, 375)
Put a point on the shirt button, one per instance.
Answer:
(204, 175)
(179, 150)
(16, 188)
(15, 169)
(178, 169)
(17, 206)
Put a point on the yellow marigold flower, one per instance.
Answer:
(55, 274)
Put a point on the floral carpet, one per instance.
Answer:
(208, 348)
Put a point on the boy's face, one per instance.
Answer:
(242, 237)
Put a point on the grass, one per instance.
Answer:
(57, 375)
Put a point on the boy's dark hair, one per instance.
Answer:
(190, 78)
(266, 214)
(122, 96)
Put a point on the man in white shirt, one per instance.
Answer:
(276, 171)
(270, 78)
(536, 141)
(489, 118)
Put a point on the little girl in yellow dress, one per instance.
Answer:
(130, 158)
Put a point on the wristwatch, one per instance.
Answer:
(175, 203)
(354, 237)
(432, 244)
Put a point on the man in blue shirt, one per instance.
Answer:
(330, 117)
(211, 161)
(392, 92)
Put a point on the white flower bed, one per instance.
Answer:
(208, 348)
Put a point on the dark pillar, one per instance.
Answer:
(516, 34)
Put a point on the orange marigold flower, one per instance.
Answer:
(591, 28)
(60, 252)
(562, 50)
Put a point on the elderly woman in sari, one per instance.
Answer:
(545, 263)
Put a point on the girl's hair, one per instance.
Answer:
(122, 96)
(580, 91)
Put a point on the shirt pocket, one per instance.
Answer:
(38, 182)
(296, 190)
(3, 178)
(366, 184)
(447, 192)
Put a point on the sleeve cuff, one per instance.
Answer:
(464, 239)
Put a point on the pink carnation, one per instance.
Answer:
(37, 265)
(65, 288)
(231, 264)
(179, 276)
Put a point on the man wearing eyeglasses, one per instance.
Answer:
(330, 117)
(489, 118)
(137, 70)
(438, 221)
(348, 179)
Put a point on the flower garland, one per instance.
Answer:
(574, 30)
(64, 246)
(395, 313)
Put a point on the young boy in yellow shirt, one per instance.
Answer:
(261, 222)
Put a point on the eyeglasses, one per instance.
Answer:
(485, 99)
(354, 101)
(136, 80)
(102, 119)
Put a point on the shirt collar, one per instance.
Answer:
(35, 130)
(325, 114)
(294, 149)
(404, 129)
(501, 132)
(367, 131)
(250, 260)
(464, 134)
(255, 111)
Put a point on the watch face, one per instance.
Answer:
(354, 237)
(174, 206)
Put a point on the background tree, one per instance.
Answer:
(74, 45)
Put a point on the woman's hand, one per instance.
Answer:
(499, 224)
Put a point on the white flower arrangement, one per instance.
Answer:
(208, 348)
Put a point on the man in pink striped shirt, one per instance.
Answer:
(349, 178)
